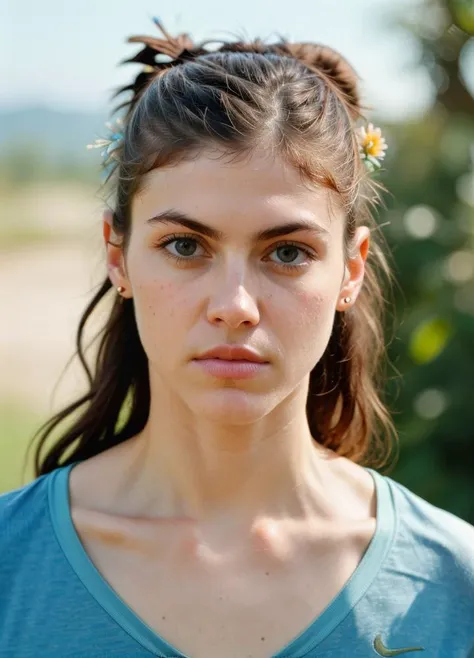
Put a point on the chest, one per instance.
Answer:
(210, 604)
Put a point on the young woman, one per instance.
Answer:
(215, 494)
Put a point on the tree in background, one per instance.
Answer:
(430, 173)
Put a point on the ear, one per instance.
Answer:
(115, 257)
(355, 269)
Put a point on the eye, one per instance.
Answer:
(288, 253)
(184, 246)
(180, 247)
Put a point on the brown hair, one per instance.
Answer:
(302, 100)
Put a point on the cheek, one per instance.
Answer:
(153, 292)
(160, 307)
(309, 322)
(311, 308)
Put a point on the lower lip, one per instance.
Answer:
(231, 369)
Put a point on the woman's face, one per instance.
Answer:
(196, 288)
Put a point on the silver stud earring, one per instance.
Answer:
(120, 289)
(347, 300)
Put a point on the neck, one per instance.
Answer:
(186, 467)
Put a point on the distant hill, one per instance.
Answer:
(59, 135)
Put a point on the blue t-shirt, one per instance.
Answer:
(413, 589)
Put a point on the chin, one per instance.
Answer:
(232, 406)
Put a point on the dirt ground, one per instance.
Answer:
(45, 288)
(44, 293)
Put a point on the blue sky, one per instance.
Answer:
(64, 55)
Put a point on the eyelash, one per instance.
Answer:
(162, 244)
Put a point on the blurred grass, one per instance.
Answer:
(45, 212)
(20, 235)
(18, 424)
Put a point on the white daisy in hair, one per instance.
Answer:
(372, 146)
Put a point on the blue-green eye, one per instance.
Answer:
(185, 246)
(288, 253)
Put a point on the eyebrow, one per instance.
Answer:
(172, 216)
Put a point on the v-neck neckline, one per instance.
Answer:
(312, 635)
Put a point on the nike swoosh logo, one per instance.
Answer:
(383, 651)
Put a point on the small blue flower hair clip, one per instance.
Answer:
(110, 145)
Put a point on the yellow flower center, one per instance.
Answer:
(372, 145)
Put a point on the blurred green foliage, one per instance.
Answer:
(429, 172)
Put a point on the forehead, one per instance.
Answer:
(258, 189)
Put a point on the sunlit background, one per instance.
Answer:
(59, 69)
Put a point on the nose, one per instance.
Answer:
(233, 304)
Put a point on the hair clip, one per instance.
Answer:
(113, 142)
(372, 146)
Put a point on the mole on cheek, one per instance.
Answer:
(166, 288)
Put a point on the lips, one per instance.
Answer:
(233, 353)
